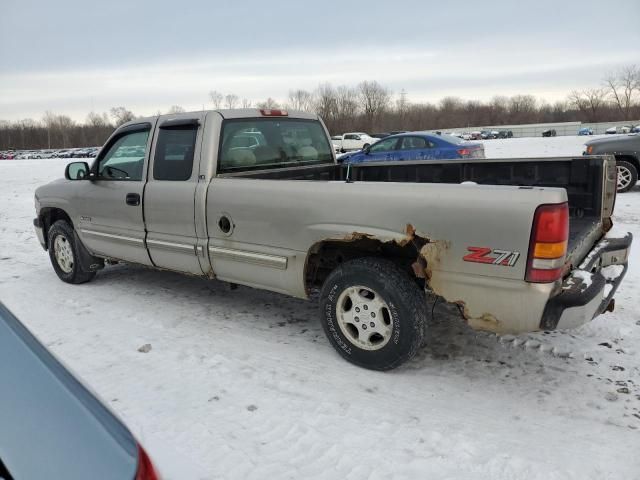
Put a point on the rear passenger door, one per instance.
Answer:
(417, 148)
(169, 195)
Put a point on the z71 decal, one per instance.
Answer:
(494, 257)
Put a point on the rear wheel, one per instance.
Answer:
(373, 313)
(366, 145)
(64, 254)
(627, 175)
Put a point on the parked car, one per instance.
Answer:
(356, 141)
(336, 141)
(505, 134)
(476, 135)
(52, 425)
(64, 153)
(585, 131)
(488, 134)
(370, 237)
(417, 146)
(618, 129)
(92, 152)
(549, 133)
(626, 150)
(636, 129)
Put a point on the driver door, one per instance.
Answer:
(110, 218)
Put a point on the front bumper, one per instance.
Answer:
(589, 289)
(37, 224)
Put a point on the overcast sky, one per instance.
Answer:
(72, 56)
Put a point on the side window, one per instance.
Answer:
(174, 153)
(384, 145)
(350, 137)
(124, 160)
(414, 143)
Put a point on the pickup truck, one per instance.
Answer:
(356, 141)
(518, 245)
(626, 150)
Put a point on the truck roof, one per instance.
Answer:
(230, 113)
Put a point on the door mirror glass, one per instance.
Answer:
(77, 171)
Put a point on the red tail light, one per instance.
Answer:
(464, 152)
(548, 245)
(273, 112)
(145, 467)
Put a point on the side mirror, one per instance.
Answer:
(77, 171)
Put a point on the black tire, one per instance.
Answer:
(406, 314)
(75, 275)
(366, 145)
(630, 170)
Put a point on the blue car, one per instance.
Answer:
(414, 146)
(585, 131)
(51, 425)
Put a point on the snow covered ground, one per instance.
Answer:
(243, 384)
(537, 147)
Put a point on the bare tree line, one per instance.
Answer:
(368, 106)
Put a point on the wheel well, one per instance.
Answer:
(326, 255)
(631, 159)
(49, 216)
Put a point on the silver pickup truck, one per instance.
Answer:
(255, 197)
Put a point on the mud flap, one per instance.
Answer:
(88, 263)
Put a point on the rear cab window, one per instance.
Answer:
(264, 143)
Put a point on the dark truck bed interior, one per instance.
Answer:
(581, 177)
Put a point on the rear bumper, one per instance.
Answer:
(39, 228)
(589, 289)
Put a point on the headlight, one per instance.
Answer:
(36, 203)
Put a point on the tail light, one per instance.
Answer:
(548, 245)
(464, 152)
(273, 112)
(589, 149)
(145, 467)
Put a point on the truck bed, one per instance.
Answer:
(581, 177)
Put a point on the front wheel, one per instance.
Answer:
(64, 254)
(373, 313)
(627, 175)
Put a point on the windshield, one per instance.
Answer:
(259, 143)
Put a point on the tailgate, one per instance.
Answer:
(590, 210)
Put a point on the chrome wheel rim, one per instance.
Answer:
(364, 318)
(63, 253)
(624, 177)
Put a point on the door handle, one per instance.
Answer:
(133, 199)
